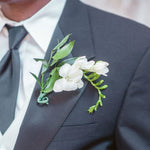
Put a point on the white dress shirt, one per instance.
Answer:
(40, 29)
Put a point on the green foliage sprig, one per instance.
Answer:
(62, 50)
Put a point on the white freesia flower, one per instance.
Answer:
(83, 64)
(72, 74)
(71, 78)
(101, 68)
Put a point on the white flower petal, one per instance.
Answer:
(100, 68)
(64, 70)
(80, 84)
(70, 86)
(101, 64)
(58, 86)
(76, 75)
(87, 65)
(72, 75)
(82, 63)
(80, 60)
(103, 72)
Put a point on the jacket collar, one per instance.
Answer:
(41, 123)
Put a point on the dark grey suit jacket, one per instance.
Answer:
(123, 121)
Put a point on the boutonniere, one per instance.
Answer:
(67, 74)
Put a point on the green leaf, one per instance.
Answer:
(44, 66)
(37, 79)
(64, 51)
(62, 42)
(54, 75)
(69, 61)
(54, 62)
(37, 59)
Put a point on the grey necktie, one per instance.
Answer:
(9, 77)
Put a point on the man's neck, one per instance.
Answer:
(22, 10)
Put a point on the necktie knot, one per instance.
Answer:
(16, 35)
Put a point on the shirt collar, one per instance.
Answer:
(42, 24)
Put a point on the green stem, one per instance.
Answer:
(42, 80)
(50, 58)
(90, 80)
(42, 99)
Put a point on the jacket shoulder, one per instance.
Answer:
(111, 19)
(114, 29)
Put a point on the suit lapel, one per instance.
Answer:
(41, 123)
(75, 20)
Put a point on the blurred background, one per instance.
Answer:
(137, 10)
